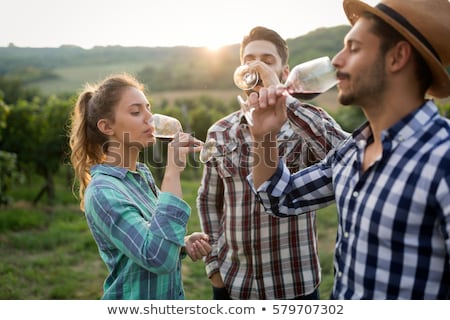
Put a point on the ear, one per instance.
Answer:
(104, 126)
(285, 73)
(400, 56)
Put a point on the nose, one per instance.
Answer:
(148, 116)
(337, 59)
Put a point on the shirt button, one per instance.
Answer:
(355, 194)
(339, 274)
(345, 234)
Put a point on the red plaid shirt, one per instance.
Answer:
(260, 256)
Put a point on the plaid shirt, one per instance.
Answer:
(260, 256)
(139, 232)
(393, 239)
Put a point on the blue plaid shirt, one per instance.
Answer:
(257, 255)
(139, 232)
(393, 239)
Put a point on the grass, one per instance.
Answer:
(53, 257)
(48, 252)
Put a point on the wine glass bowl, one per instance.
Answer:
(245, 78)
(166, 127)
(209, 150)
(311, 78)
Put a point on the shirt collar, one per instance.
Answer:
(118, 172)
(403, 129)
(362, 133)
(412, 123)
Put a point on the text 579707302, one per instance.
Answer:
(307, 309)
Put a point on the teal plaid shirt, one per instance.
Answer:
(139, 232)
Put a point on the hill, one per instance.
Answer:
(67, 68)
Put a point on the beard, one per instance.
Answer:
(364, 86)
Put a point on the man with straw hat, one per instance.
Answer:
(391, 179)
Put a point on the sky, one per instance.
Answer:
(158, 23)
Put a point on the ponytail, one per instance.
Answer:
(84, 152)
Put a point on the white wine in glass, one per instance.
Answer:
(166, 128)
(305, 81)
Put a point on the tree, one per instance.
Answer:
(36, 132)
(8, 161)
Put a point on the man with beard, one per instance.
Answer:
(255, 255)
(391, 179)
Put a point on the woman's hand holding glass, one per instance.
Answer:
(178, 149)
(170, 129)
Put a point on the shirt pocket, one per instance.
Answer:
(228, 162)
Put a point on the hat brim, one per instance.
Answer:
(440, 87)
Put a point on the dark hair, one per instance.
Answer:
(389, 38)
(262, 33)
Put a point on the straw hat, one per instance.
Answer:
(425, 24)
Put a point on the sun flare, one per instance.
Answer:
(214, 45)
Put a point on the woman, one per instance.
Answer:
(139, 228)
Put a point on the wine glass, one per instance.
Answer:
(311, 78)
(209, 150)
(246, 110)
(305, 81)
(245, 78)
(166, 128)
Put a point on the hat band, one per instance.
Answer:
(405, 23)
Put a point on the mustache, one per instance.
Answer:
(342, 75)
